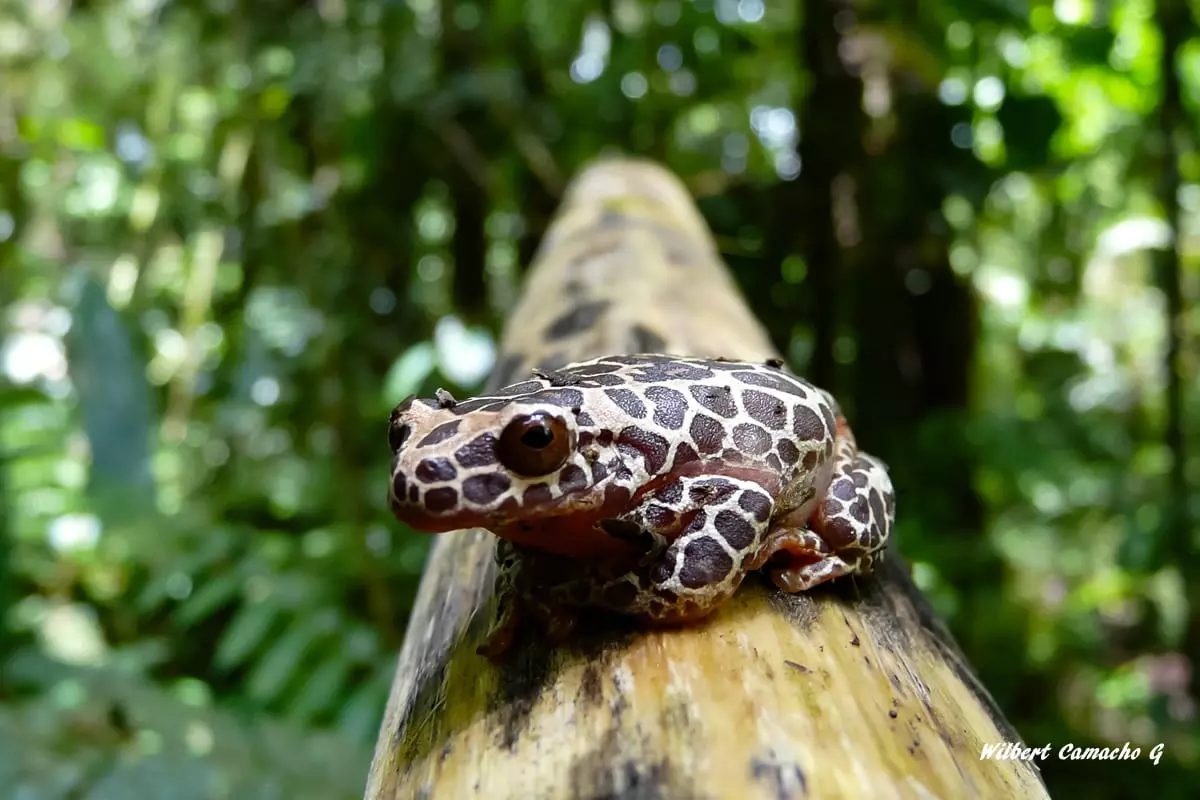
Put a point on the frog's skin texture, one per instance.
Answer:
(666, 481)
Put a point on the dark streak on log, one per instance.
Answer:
(576, 319)
(507, 371)
(644, 340)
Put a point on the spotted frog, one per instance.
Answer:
(646, 484)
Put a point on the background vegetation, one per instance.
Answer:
(233, 235)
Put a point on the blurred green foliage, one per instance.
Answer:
(233, 235)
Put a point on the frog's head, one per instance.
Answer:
(484, 462)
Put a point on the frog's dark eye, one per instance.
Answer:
(534, 444)
(397, 436)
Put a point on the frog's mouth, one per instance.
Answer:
(575, 536)
(562, 526)
(424, 515)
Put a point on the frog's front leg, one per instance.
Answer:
(848, 531)
(708, 531)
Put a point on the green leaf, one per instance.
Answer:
(80, 134)
(212, 595)
(279, 665)
(166, 777)
(216, 546)
(1029, 123)
(114, 397)
(14, 397)
(246, 633)
(321, 689)
(361, 713)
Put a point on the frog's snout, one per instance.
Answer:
(404, 493)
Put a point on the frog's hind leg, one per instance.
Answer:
(847, 533)
(727, 520)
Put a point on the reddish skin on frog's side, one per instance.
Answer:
(646, 484)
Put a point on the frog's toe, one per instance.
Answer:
(503, 631)
(800, 578)
(797, 559)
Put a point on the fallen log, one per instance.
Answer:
(856, 690)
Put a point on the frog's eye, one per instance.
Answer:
(534, 444)
(397, 436)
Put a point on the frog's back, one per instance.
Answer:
(672, 411)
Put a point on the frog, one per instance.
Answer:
(648, 484)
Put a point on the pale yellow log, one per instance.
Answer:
(855, 691)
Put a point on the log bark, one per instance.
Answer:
(856, 690)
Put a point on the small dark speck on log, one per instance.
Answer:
(795, 666)
(785, 780)
(893, 714)
(854, 641)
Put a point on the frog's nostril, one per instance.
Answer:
(399, 487)
(397, 436)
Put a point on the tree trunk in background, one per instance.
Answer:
(1176, 25)
(8, 594)
(469, 184)
(12, 201)
(917, 325)
(830, 118)
(535, 201)
(914, 321)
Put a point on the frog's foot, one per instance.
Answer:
(845, 536)
(504, 629)
(799, 559)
